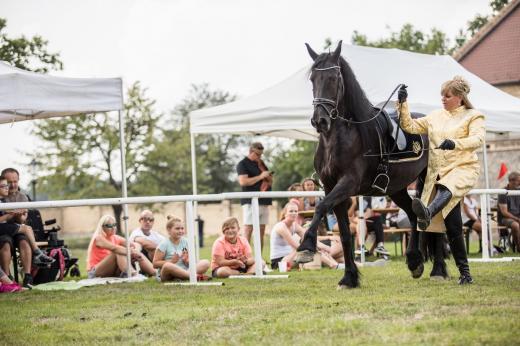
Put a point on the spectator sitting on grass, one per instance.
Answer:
(145, 235)
(107, 255)
(231, 253)
(171, 256)
(284, 244)
(297, 200)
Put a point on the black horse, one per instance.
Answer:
(349, 127)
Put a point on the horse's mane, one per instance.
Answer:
(356, 105)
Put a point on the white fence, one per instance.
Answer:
(190, 212)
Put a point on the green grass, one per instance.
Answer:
(389, 308)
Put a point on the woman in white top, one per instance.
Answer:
(470, 217)
(284, 244)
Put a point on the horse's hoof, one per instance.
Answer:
(417, 272)
(342, 287)
(304, 256)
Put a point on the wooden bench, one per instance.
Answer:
(403, 232)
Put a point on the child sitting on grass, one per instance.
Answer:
(171, 256)
(231, 253)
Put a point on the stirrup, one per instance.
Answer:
(381, 182)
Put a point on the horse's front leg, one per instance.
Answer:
(414, 257)
(351, 276)
(307, 248)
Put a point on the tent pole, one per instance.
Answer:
(124, 188)
(194, 187)
(487, 210)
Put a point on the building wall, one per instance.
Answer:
(506, 152)
(512, 89)
(496, 58)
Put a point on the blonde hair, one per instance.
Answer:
(284, 210)
(172, 220)
(458, 86)
(98, 231)
(230, 221)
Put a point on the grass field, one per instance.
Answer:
(389, 308)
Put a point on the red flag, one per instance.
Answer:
(502, 171)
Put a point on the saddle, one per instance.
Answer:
(400, 146)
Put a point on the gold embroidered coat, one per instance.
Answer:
(456, 169)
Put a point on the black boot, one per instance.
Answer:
(425, 214)
(439, 271)
(458, 250)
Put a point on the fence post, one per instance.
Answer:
(361, 229)
(485, 226)
(191, 242)
(256, 237)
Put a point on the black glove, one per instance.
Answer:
(447, 144)
(402, 94)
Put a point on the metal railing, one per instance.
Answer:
(190, 220)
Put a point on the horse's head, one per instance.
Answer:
(327, 87)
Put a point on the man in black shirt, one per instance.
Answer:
(253, 175)
(509, 208)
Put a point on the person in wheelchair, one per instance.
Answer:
(107, 255)
(13, 232)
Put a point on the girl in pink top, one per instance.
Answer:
(231, 253)
(106, 254)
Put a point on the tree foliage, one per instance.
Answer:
(81, 154)
(294, 164)
(169, 164)
(27, 53)
(436, 42)
(409, 39)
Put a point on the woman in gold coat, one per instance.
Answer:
(455, 133)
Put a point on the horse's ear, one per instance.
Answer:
(312, 53)
(337, 52)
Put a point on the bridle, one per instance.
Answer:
(333, 112)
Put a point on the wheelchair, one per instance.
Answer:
(48, 241)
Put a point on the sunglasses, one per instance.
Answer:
(110, 225)
(149, 219)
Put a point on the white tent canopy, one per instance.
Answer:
(26, 95)
(284, 109)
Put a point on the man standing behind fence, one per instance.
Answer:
(253, 175)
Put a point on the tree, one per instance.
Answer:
(294, 165)
(169, 164)
(479, 20)
(28, 54)
(408, 39)
(81, 153)
(434, 43)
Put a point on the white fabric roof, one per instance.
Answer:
(27, 95)
(285, 109)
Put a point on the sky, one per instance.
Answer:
(240, 46)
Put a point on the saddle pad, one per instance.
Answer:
(404, 147)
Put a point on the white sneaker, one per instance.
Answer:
(267, 269)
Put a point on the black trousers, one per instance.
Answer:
(375, 224)
(453, 223)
